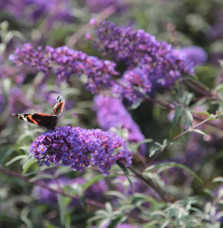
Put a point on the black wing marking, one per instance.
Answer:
(44, 120)
(40, 119)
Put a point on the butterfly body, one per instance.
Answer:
(42, 119)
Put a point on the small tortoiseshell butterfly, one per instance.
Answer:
(43, 119)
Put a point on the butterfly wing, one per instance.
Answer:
(58, 108)
(40, 119)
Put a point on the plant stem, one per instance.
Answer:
(149, 183)
(185, 132)
(107, 12)
(42, 185)
(199, 88)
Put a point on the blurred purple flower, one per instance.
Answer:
(17, 101)
(65, 62)
(99, 5)
(196, 151)
(194, 54)
(49, 96)
(124, 225)
(216, 29)
(78, 148)
(34, 9)
(112, 113)
(53, 9)
(121, 182)
(151, 64)
(11, 72)
(95, 191)
(15, 8)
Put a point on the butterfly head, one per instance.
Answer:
(59, 99)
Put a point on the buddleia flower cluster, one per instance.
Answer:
(79, 148)
(112, 113)
(151, 64)
(65, 62)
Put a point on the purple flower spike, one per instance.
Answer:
(112, 113)
(65, 62)
(134, 84)
(124, 90)
(139, 47)
(78, 148)
(151, 64)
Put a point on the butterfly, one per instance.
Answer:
(42, 119)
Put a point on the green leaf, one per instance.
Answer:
(16, 159)
(187, 98)
(24, 139)
(153, 149)
(142, 142)
(25, 219)
(6, 85)
(2, 48)
(219, 87)
(198, 131)
(116, 194)
(204, 113)
(163, 166)
(63, 203)
(62, 170)
(146, 141)
(114, 222)
(125, 171)
(31, 161)
(48, 225)
(177, 114)
(41, 177)
(189, 118)
(143, 197)
(5, 154)
(108, 207)
(218, 179)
